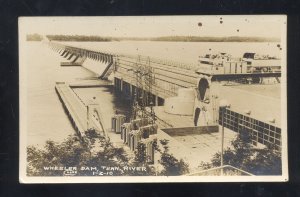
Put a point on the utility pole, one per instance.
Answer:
(222, 141)
(223, 105)
(87, 117)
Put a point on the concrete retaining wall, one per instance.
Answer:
(191, 130)
(183, 104)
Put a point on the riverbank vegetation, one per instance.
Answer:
(84, 38)
(78, 38)
(244, 156)
(213, 39)
(34, 37)
(95, 155)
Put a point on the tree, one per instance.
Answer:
(266, 161)
(244, 156)
(93, 151)
(140, 153)
(171, 165)
(68, 153)
(34, 37)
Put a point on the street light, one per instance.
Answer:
(223, 105)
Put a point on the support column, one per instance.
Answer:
(116, 84)
(130, 91)
(70, 56)
(121, 85)
(66, 54)
(155, 100)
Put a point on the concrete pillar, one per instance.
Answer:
(76, 58)
(115, 82)
(71, 56)
(121, 85)
(67, 54)
(64, 52)
(118, 84)
(126, 88)
(155, 100)
(130, 91)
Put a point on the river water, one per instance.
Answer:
(46, 118)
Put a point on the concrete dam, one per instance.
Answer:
(188, 99)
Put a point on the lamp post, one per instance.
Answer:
(223, 105)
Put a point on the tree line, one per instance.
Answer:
(96, 151)
(78, 38)
(34, 37)
(244, 156)
(214, 39)
(84, 38)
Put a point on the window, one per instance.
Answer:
(261, 132)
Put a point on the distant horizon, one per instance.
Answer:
(158, 26)
(185, 38)
(146, 37)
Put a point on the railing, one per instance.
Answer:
(226, 170)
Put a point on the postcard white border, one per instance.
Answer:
(145, 179)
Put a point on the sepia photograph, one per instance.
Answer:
(143, 99)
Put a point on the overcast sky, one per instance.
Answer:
(263, 26)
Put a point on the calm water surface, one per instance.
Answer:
(45, 116)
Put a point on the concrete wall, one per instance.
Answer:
(191, 130)
(95, 66)
(183, 104)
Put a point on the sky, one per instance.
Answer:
(154, 26)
